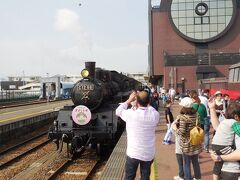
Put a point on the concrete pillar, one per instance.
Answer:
(43, 91)
(58, 87)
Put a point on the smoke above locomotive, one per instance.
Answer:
(99, 85)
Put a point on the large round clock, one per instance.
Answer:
(202, 20)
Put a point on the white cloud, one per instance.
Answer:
(68, 21)
(130, 58)
(38, 57)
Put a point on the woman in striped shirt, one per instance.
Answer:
(187, 121)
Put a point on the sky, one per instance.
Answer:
(49, 37)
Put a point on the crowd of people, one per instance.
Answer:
(140, 112)
(223, 114)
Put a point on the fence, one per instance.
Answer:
(18, 95)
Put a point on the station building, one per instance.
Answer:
(193, 40)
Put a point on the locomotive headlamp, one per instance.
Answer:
(85, 73)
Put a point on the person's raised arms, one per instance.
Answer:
(213, 114)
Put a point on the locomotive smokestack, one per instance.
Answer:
(90, 66)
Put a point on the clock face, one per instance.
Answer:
(202, 20)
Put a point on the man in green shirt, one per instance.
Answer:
(201, 109)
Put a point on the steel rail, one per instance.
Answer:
(60, 169)
(92, 170)
(22, 143)
(7, 163)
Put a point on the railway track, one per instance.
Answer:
(46, 163)
(14, 153)
(8, 149)
(74, 169)
(56, 165)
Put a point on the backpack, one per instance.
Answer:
(196, 134)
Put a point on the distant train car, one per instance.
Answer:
(91, 121)
(66, 89)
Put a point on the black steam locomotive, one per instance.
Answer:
(91, 121)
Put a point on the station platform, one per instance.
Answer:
(164, 166)
(18, 121)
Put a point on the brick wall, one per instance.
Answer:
(166, 39)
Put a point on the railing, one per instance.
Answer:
(12, 95)
(193, 51)
(213, 57)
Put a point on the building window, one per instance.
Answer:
(209, 17)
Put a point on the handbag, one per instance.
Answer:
(196, 134)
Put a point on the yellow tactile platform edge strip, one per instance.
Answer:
(154, 171)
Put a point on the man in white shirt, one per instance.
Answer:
(172, 93)
(140, 126)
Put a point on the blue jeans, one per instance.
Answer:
(206, 132)
(180, 165)
(131, 169)
(187, 167)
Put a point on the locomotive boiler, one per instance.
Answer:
(91, 121)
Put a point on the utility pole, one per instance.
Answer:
(23, 79)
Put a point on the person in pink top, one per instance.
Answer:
(141, 123)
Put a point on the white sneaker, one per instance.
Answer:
(196, 179)
(177, 178)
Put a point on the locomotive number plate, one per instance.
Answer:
(86, 87)
(81, 115)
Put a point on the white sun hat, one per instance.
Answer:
(186, 102)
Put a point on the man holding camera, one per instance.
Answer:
(141, 123)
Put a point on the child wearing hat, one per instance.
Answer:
(223, 140)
